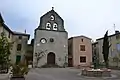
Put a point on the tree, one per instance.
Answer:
(4, 52)
(38, 56)
(106, 47)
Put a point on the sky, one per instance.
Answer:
(91, 18)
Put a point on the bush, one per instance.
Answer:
(19, 70)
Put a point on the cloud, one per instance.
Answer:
(82, 17)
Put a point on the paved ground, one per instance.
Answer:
(64, 74)
(4, 76)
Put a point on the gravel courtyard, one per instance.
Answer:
(64, 74)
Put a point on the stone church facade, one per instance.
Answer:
(50, 41)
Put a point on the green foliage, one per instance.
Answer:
(106, 47)
(19, 70)
(4, 51)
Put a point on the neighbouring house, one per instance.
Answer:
(79, 51)
(114, 50)
(29, 53)
(50, 41)
(19, 40)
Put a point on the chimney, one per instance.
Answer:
(116, 32)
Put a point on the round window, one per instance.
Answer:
(51, 40)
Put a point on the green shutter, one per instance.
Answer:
(18, 58)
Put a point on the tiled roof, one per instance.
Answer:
(79, 36)
(7, 28)
(1, 19)
(19, 33)
(109, 36)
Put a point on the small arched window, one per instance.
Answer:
(82, 40)
(19, 47)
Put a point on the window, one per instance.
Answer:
(19, 46)
(18, 58)
(82, 59)
(82, 40)
(82, 47)
(9, 35)
(43, 40)
(51, 40)
(117, 36)
(20, 37)
(94, 45)
(52, 17)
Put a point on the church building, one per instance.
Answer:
(50, 41)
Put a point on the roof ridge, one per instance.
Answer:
(80, 36)
(108, 36)
(49, 12)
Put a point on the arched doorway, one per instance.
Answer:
(51, 58)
